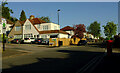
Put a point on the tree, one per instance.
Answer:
(79, 30)
(5, 10)
(110, 29)
(94, 28)
(22, 16)
(46, 19)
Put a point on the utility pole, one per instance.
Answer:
(4, 31)
(3, 42)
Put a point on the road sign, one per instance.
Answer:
(4, 30)
(4, 25)
(4, 22)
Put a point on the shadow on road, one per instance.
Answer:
(71, 64)
(100, 45)
(109, 64)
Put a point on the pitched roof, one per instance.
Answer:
(22, 22)
(67, 28)
(53, 31)
(36, 21)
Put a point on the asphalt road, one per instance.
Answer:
(50, 60)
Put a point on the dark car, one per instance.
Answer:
(38, 41)
(45, 41)
(17, 41)
(82, 42)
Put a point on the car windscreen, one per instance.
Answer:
(16, 39)
(26, 38)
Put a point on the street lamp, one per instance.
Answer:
(58, 24)
(58, 15)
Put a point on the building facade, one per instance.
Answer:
(37, 28)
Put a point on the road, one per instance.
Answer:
(51, 60)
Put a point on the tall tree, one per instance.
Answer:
(22, 16)
(94, 28)
(79, 30)
(5, 10)
(46, 19)
(110, 29)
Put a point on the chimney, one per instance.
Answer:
(31, 17)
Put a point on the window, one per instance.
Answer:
(43, 36)
(55, 27)
(71, 32)
(45, 27)
(17, 36)
(28, 35)
(17, 28)
(27, 27)
(38, 25)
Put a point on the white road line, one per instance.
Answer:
(92, 64)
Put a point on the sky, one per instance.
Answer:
(63, 0)
(70, 12)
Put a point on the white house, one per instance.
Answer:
(89, 35)
(69, 30)
(29, 29)
(36, 28)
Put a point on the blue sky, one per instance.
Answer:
(71, 12)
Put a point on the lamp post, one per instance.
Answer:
(58, 24)
(58, 15)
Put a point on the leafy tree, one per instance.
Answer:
(22, 16)
(46, 19)
(13, 19)
(110, 29)
(5, 10)
(79, 30)
(94, 28)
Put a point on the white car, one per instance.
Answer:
(29, 40)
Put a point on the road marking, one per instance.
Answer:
(90, 66)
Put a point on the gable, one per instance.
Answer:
(32, 30)
(17, 23)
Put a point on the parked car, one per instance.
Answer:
(45, 41)
(82, 42)
(29, 40)
(17, 41)
(38, 41)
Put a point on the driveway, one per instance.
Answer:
(51, 60)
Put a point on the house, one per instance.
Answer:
(69, 30)
(36, 28)
(8, 26)
(89, 35)
(16, 31)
